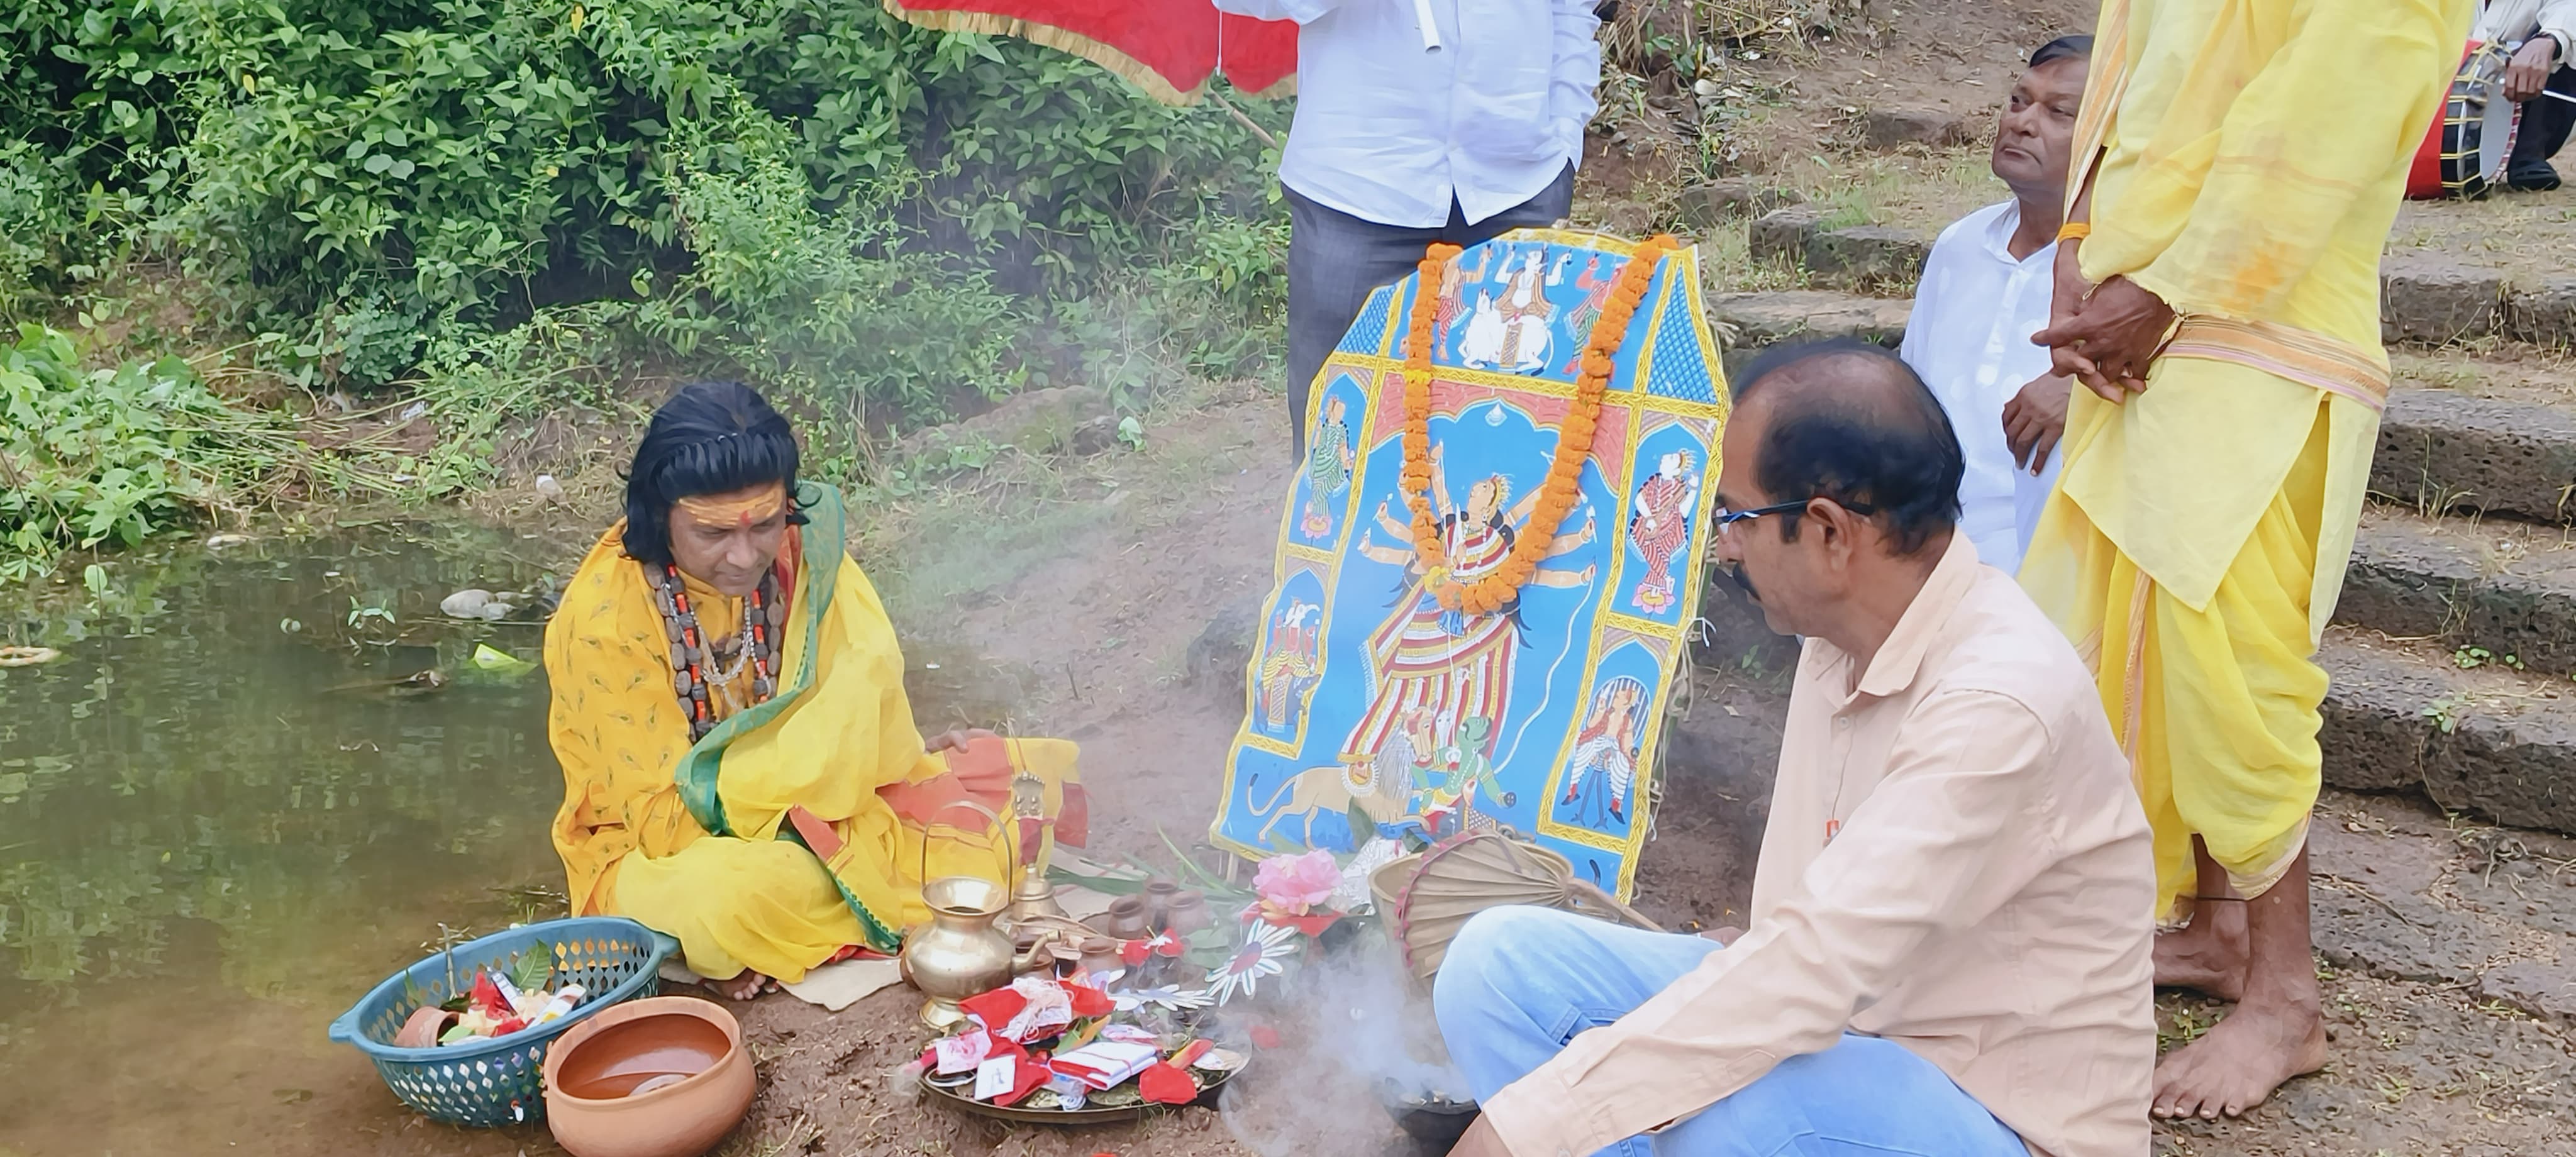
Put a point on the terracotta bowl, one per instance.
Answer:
(660, 1077)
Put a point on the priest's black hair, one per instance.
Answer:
(709, 438)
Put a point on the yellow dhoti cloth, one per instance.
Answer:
(2200, 530)
(692, 838)
(2217, 704)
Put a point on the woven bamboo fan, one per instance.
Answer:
(1467, 874)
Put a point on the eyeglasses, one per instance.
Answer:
(1726, 519)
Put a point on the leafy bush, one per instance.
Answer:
(106, 455)
(501, 206)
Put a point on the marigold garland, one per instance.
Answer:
(1557, 495)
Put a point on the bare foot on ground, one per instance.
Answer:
(2236, 1065)
(2209, 955)
(746, 986)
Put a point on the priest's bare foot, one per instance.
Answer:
(2209, 955)
(2237, 1064)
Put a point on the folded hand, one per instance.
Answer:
(2111, 339)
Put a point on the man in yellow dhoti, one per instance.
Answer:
(741, 768)
(2238, 165)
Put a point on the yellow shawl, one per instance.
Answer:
(839, 728)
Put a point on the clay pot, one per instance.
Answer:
(1188, 913)
(1100, 955)
(1127, 918)
(1158, 902)
(422, 1030)
(661, 1077)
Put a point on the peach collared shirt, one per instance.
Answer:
(1956, 860)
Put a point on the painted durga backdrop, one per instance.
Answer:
(1374, 712)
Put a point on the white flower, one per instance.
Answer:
(1170, 996)
(1264, 946)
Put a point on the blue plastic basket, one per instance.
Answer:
(496, 1082)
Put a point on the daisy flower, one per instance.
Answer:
(1167, 996)
(1264, 946)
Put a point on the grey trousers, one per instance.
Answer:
(1336, 260)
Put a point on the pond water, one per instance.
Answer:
(219, 826)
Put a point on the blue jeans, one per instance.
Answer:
(1520, 982)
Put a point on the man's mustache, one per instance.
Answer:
(1735, 574)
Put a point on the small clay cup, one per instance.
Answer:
(619, 1084)
(1128, 920)
(1100, 954)
(1188, 913)
(1158, 902)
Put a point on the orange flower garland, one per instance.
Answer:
(1557, 495)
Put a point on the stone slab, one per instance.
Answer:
(2494, 743)
(2441, 451)
(1755, 320)
(2434, 300)
(2503, 588)
(1888, 128)
(2543, 314)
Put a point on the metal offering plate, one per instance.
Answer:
(1108, 1107)
(1218, 1061)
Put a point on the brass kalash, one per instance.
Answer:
(966, 950)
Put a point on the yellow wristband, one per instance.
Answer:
(2074, 231)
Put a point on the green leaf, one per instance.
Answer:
(533, 968)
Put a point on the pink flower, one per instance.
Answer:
(1293, 884)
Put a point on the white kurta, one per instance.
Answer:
(1969, 337)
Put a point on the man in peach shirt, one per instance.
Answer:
(1952, 917)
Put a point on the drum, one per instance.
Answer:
(2466, 148)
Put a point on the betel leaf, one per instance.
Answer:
(533, 968)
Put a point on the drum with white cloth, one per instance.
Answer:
(2466, 148)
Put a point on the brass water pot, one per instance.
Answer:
(963, 952)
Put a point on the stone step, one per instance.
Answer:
(2462, 433)
(2482, 434)
(2497, 593)
(2494, 742)
(2399, 716)
(1843, 254)
(2427, 298)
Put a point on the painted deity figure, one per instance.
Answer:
(1455, 277)
(1604, 765)
(1329, 461)
(1580, 319)
(1288, 664)
(1659, 525)
(1426, 656)
(1450, 805)
(1512, 333)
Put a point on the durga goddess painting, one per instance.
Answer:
(1455, 665)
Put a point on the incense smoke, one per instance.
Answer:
(1354, 1034)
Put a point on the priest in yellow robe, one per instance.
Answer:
(741, 768)
(2238, 166)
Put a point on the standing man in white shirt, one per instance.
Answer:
(1985, 290)
(1419, 121)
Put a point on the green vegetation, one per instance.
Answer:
(493, 210)
(109, 455)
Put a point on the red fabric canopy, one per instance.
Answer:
(1168, 48)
